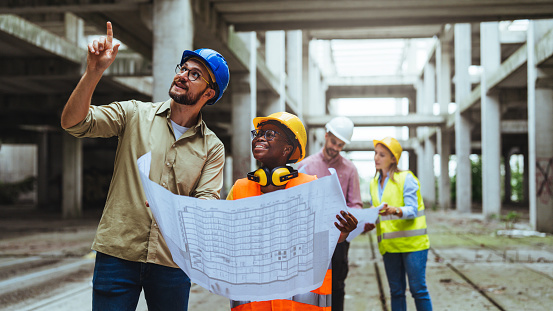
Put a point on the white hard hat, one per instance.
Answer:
(341, 127)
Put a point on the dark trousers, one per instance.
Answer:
(117, 284)
(339, 274)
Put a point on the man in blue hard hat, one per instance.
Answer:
(187, 159)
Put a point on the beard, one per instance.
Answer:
(187, 99)
(331, 153)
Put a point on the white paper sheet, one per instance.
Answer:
(366, 215)
(268, 247)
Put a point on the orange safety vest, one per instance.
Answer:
(316, 300)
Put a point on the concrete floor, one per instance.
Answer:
(470, 266)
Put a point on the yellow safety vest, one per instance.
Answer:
(397, 235)
(316, 300)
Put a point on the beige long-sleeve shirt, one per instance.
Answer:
(191, 165)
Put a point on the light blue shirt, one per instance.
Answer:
(410, 189)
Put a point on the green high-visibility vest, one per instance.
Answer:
(397, 235)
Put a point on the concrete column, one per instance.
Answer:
(443, 90)
(462, 122)
(305, 96)
(72, 171)
(314, 102)
(412, 69)
(419, 150)
(74, 28)
(72, 177)
(413, 162)
(306, 65)
(490, 59)
(227, 176)
(173, 33)
(444, 184)
(526, 175)
(294, 70)
(428, 190)
(507, 181)
(270, 104)
(42, 176)
(540, 130)
(244, 106)
(428, 187)
(275, 53)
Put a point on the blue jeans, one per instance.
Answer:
(117, 284)
(413, 265)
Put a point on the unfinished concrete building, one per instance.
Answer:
(485, 87)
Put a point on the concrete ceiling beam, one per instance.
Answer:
(38, 38)
(397, 120)
(75, 6)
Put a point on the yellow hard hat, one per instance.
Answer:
(294, 124)
(392, 144)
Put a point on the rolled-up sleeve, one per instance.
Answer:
(104, 121)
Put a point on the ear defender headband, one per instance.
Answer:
(279, 176)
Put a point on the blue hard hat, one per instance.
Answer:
(218, 66)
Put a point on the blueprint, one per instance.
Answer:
(268, 247)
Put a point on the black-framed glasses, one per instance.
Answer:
(269, 134)
(193, 74)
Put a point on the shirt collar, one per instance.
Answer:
(166, 108)
(334, 160)
(380, 176)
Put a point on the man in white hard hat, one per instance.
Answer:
(338, 134)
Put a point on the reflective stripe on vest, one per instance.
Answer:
(401, 234)
(281, 305)
(316, 300)
(394, 234)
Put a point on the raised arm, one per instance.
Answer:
(101, 54)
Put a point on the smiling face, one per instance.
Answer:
(271, 153)
(186, 92)
(383, 158)
(333, 146)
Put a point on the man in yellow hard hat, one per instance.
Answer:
(280, 139)
(338, 133)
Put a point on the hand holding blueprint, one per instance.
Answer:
(267, 247)
(366, 215)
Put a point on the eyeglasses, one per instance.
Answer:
(269, 134)
(193, 75)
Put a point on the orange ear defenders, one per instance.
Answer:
(278, 176)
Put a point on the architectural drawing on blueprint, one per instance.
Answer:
(259, 248)
(271, 250)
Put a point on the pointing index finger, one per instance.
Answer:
(109, 32)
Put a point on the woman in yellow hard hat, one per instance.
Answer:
(280, 139)
(401, 227)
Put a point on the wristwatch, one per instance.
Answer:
(396, 212)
